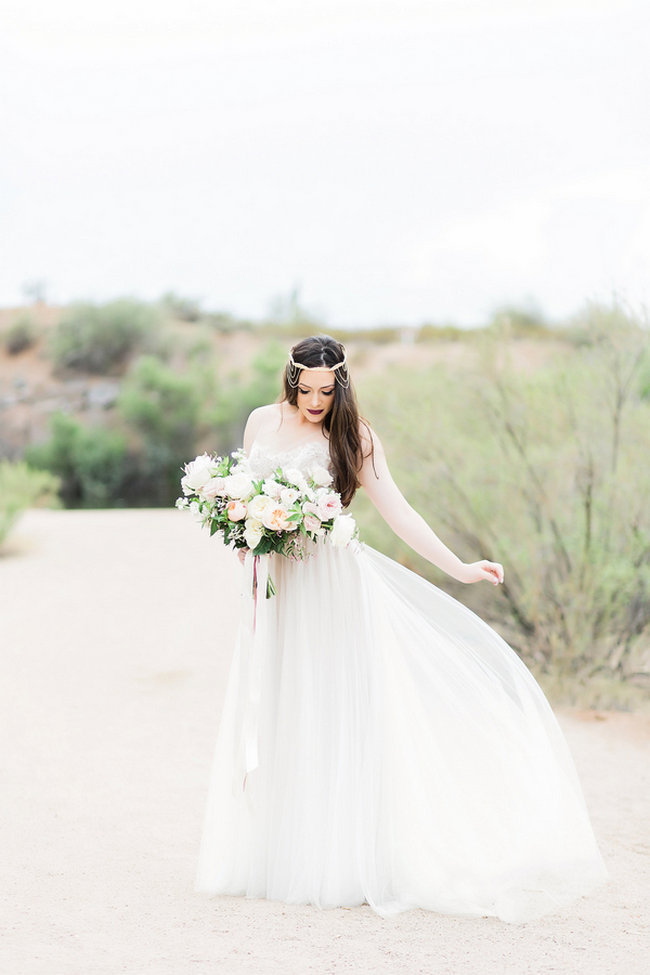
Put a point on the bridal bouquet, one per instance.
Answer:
(279, 513)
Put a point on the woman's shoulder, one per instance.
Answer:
(261, 419)
(262, 413)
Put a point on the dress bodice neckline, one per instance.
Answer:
(321, 445)
(298, 455)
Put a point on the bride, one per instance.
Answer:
(404, 755)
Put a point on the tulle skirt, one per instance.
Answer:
(406, 756)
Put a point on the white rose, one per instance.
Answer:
(197, 473)
(296, 477)
(343, 531)
(320, 476)
(288, 496)
(271, 488)
(258, 505)
(213, 488)
(238, 485)
(253, 531)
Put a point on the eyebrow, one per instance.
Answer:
(327, 386)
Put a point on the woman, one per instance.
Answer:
(405, 756)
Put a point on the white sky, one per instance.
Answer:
(398, 161)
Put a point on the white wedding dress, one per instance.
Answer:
(406, 757)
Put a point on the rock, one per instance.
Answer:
(103, 395)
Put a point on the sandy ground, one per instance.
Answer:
(116, 630)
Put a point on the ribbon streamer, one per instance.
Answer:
(254, 646)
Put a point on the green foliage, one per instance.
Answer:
(225, 323)
(21, 335)
(160, 404)
(235, 396)
(90, 463)
(181, 308)
(21, 487)
(511, 321)
(443, 333)
(548, 474)
(100, 338)
(164, 409)
(644, 377)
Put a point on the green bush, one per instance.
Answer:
(443, 333)
(21, 335)
(163, 408)
(160, 404)
(235, 396)
(510, 321)
(22, 487)
(183, 309)
(91, 464)
(101, 338)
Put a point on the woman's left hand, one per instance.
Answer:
(477, 571)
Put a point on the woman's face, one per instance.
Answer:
(315, 394)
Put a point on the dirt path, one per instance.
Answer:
(115, 633)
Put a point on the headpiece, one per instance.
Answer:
(340, 370)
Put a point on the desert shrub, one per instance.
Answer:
(91, 464)
(546, 473)
(236, 395)
(174, 415)
(511, 321)
(21, 335)
(443, 333)
(21, 487)
(182, 308)
(100, 338)
(164, 409)
(225, 323)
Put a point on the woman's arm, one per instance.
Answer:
(253, 424)
(410, 526)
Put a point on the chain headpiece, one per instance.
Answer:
(340, 370)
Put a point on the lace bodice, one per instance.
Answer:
(263, 460)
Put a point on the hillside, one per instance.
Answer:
(31, 389)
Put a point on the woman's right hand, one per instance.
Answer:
(241, 554)
(477, 571)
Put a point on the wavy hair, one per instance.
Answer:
(342, 422)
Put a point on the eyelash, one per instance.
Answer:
(306, 391)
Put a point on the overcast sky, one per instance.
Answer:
(396, 161)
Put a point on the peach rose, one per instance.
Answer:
(275, 517)
(236, 510)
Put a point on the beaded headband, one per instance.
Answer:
(295, 368)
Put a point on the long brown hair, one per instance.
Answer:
(342, 422)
